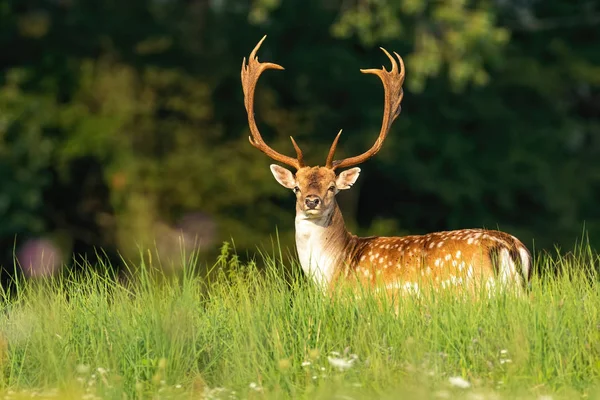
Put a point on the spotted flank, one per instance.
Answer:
(448, 259)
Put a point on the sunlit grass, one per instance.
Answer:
(266, 333)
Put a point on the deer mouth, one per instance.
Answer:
(312, 213)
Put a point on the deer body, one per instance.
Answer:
(328, 252)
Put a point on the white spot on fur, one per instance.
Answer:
(470, 241)
(458, 254)
(448, 257)
(440, 244)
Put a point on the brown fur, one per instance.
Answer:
(453, 258)
(460, 257)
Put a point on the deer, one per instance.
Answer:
(328, 253)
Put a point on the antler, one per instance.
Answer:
(392, 86)
(250, 75)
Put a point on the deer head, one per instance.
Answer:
(315, 187)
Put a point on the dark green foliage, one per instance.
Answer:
(119, 118)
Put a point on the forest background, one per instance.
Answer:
(122, 124)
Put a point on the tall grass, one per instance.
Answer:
(250, 332)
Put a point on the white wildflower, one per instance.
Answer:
(505, 360)
(306, 363)
(255, 386)
(503, 352)
(341, 363)
(459, 382)
(214, 393)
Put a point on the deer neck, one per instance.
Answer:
(321, 244)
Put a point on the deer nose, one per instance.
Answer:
(312, 201)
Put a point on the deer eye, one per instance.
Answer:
(296, 189)
(332, 188)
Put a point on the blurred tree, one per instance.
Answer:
(120, 120)
(458, 35)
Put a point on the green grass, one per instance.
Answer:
(265, 333)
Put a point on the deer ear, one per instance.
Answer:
(347, 178)
(283, 176)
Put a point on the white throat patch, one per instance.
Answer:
(315, 248)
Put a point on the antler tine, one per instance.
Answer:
(329, 162)
(392, 86)
(250, 74)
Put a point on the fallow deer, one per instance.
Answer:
(328, 252)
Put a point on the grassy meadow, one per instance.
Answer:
(259, 330)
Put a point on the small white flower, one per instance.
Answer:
(255, 386)
(505, 360)
(315, 377)
(459, 382)
(306, 363)
(177, 386)
(503, 352)
(340, 363)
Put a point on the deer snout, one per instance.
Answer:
(312, 201)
